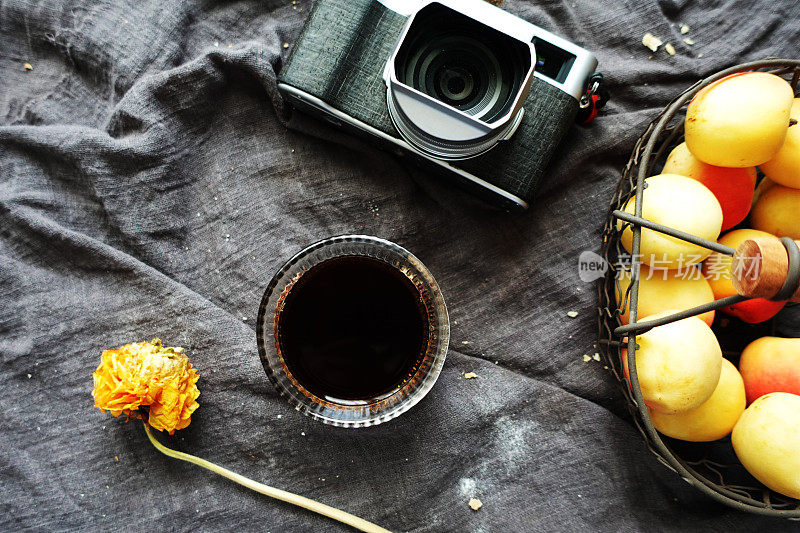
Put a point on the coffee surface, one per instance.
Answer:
(352, 328)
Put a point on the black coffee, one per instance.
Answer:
(353, 328)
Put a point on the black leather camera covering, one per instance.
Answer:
(340, 58)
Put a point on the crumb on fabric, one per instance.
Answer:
(572, 314)
(688, 41)
(651, 41)
(285, 45)
(596, 356)
(684, 29)
(28, 66)
(475, 504)
(670, 49)
(470, 375)
(586, 358)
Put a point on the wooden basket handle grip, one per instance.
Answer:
(760, 268)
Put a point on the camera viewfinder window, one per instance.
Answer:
(552, 61)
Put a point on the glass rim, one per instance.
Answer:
(353, 413)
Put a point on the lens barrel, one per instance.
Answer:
(440, 147)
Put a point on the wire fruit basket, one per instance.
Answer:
(711, 467)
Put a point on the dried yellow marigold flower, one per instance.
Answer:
(147, 374)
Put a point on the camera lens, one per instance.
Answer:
(462, 67)
(456, 84)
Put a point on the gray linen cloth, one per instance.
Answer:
(150, 187)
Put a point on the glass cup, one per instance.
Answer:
(348, 412)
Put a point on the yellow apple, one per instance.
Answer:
(777, 211)
(680, 203)
(762, 187)
(660, 290)
(678, 364)
(766, 440)
(784, 167)
(714, 418)
(740, 120)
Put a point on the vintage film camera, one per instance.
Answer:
(460, 85)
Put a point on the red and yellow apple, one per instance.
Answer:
(733, 187)
(714, 418)
(770, 364)
(766, 440)
(717, 270)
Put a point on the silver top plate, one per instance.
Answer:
(585, 61)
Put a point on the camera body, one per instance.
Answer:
(460, 86)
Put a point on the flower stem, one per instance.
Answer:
(278, 494)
